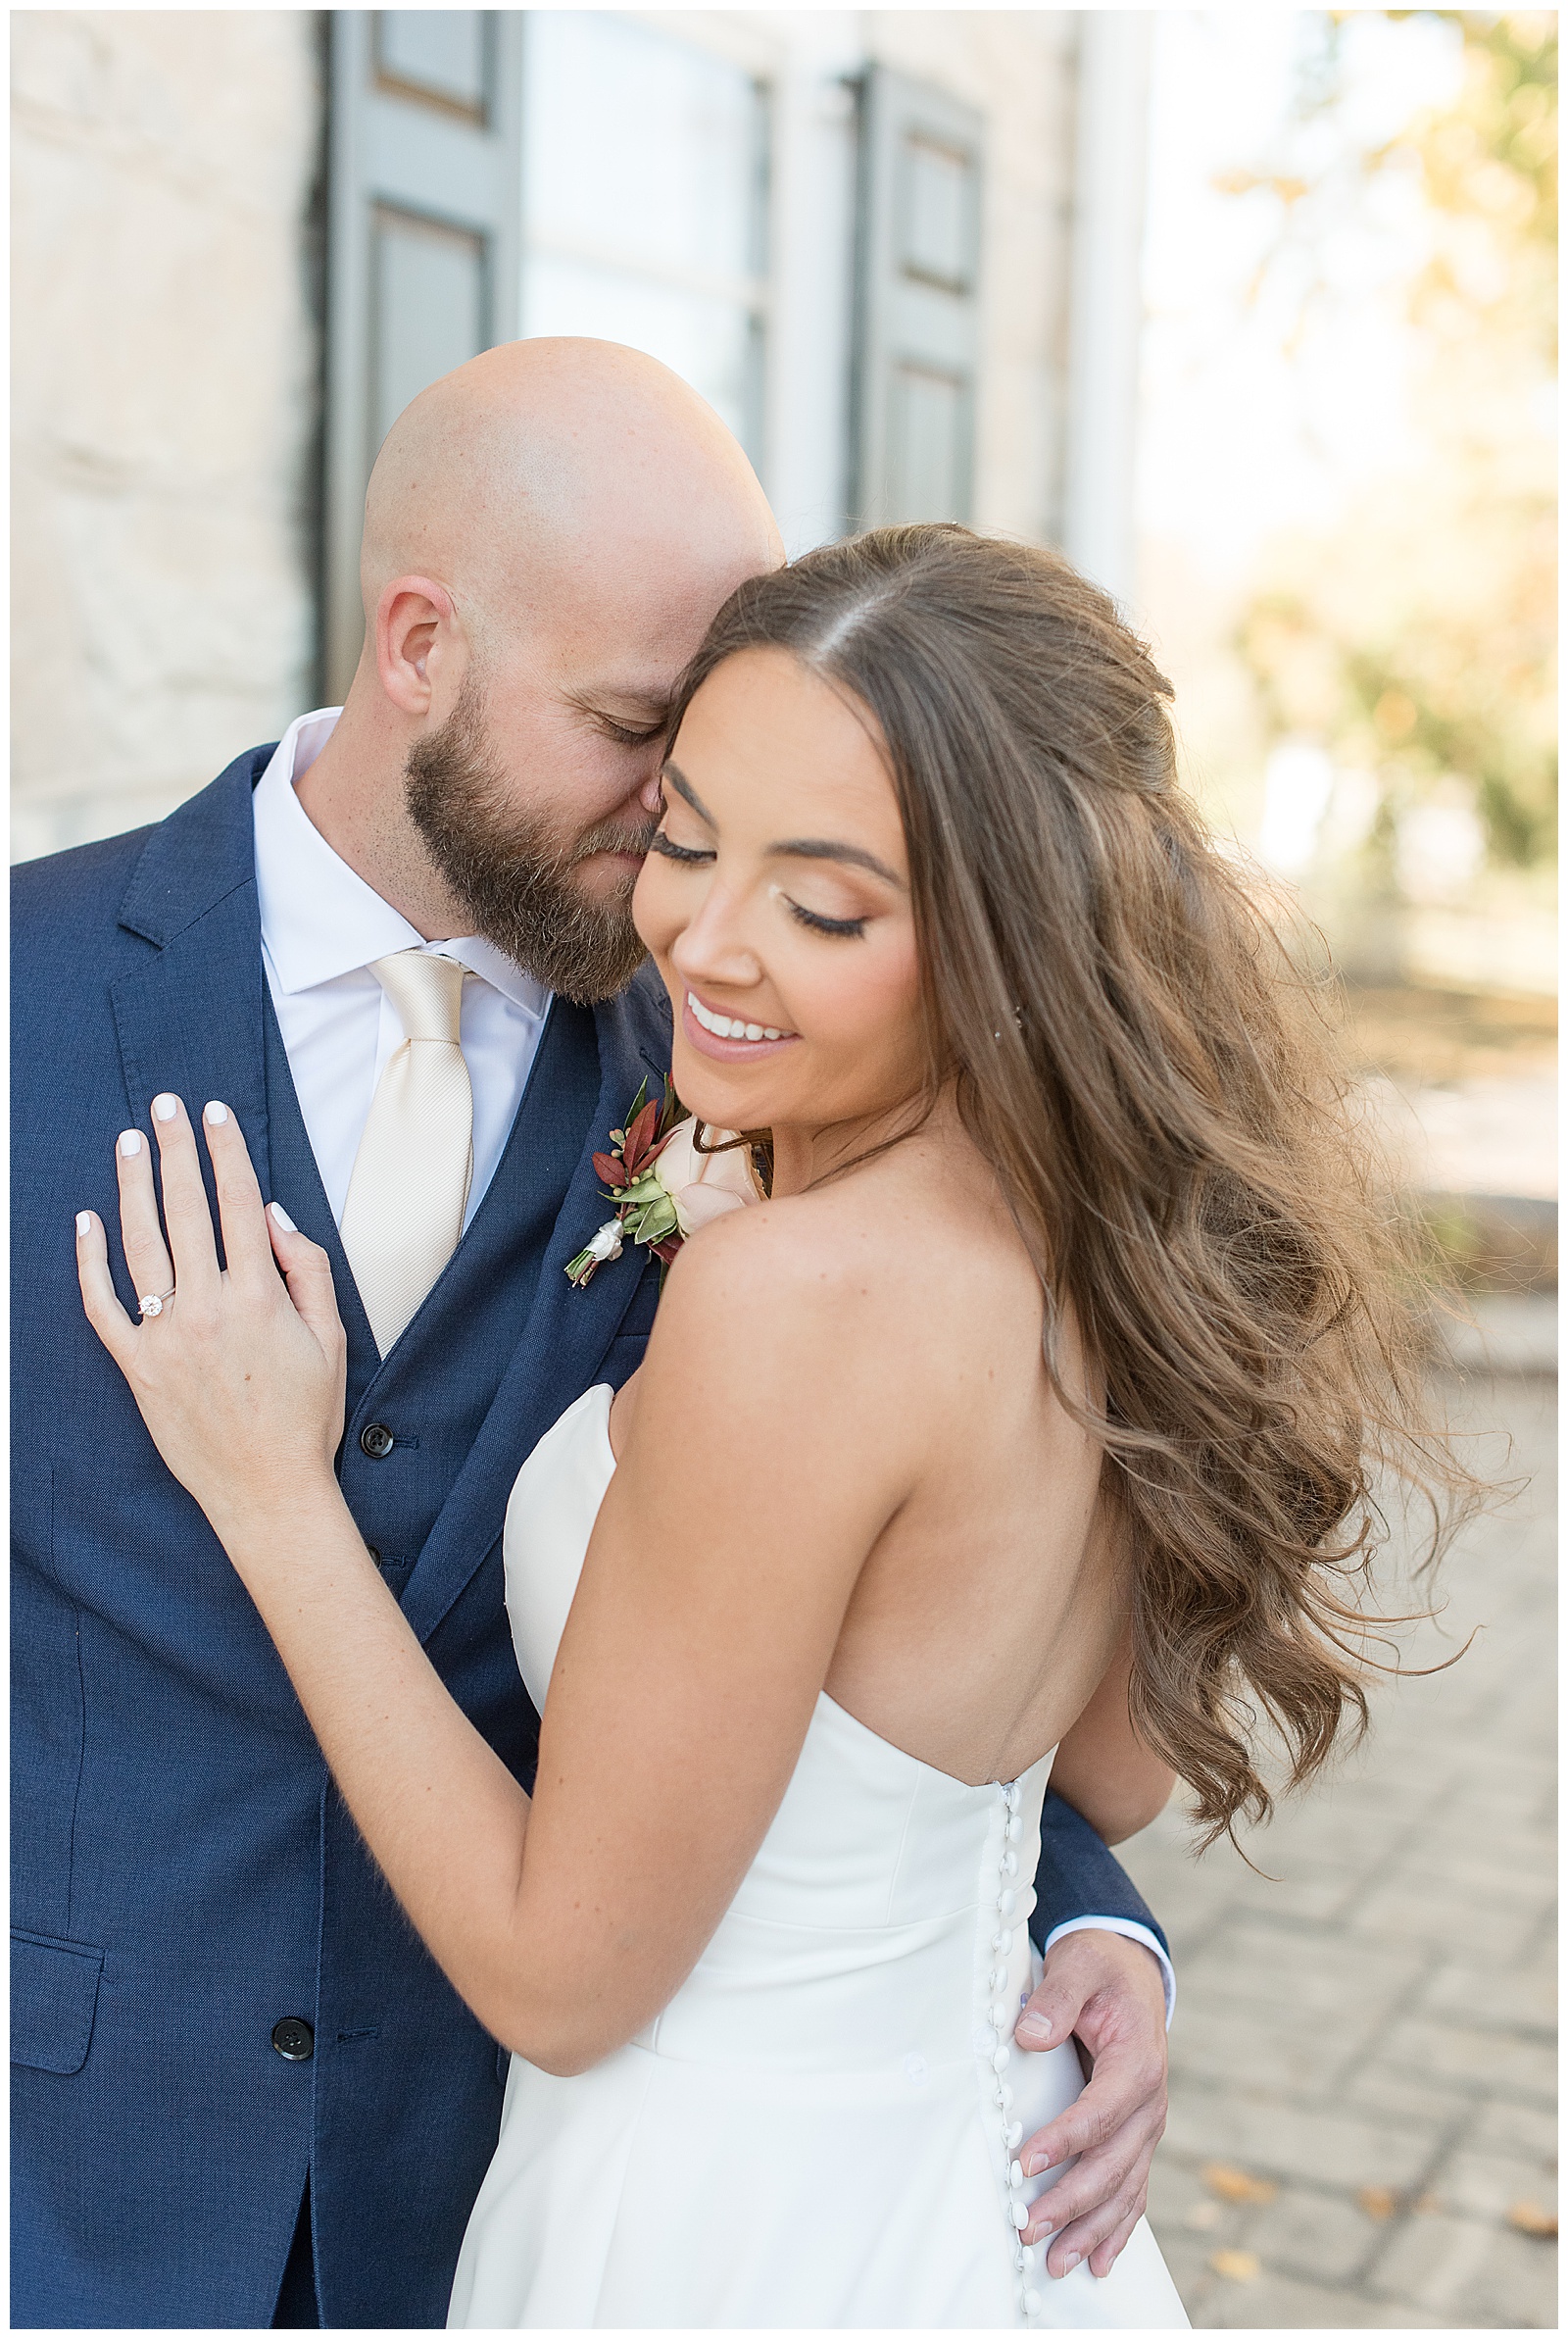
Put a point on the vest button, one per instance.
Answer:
(376, 1440)
(294, 2039)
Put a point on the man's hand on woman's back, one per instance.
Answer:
(1106, 1992)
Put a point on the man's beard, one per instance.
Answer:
(513, 872)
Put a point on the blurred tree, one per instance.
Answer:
(1414, 637)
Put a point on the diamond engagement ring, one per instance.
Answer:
(155, 1302)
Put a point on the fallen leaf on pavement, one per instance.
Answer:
(1377, 2200)
(1233, 2184)
(1236, 2266)
(1526, 2216)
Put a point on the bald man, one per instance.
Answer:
(243, 2095)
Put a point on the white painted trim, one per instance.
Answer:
(1106, 299)
(811, 266)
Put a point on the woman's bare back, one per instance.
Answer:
(992, 1605)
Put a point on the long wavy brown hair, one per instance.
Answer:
(1156, 1089)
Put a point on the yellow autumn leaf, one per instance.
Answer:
(1236, 2266)
(1377, 2200)
(1235, 2184)
(1526, 2217)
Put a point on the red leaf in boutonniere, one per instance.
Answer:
(660, 1197)
(639, 1139)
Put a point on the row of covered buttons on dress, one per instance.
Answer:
(1003, 2014)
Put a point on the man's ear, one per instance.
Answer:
(415, 629)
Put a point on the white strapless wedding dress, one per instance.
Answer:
(818, 2130)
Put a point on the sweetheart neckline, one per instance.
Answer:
(984, 1786)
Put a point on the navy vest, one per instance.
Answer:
(433, 1390)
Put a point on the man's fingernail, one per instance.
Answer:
(215, 1116)
(282, 1217)
(84, 1222)
(165, 1107)
(1032, 2026)
(1039, 2165)
(1069, 2262)
(130, 1143)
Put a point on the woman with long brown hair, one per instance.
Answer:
(1027, 1423)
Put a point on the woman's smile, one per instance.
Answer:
(731, 1038)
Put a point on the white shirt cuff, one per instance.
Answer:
(1131, 1930)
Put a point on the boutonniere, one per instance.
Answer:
(661, 1186)
(645, 1207)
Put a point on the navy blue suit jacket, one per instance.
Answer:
(184, 1874)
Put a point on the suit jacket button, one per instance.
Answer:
(294, 2039)
(376, 1440)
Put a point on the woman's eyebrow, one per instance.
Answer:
(793, 848)
(677, 779)
(821, 848)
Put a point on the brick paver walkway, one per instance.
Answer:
(1363, 2066)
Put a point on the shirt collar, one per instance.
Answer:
(319, 920)
(493, 966)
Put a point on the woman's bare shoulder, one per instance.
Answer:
(773, 1342)
(907, 1240)
(793, 1312)
(805, 1258)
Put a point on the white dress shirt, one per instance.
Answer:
(322, 926)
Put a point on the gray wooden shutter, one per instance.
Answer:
(918, 311)
(423, 244)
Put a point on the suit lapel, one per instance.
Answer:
(566, 1334)
(189, 1018)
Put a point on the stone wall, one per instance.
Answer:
(164, 389)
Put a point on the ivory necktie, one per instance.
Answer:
(410, 1186)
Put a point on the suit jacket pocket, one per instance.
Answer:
(54, 1998)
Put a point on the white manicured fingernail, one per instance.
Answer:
(215, 1116)
(165, 1107)
(84, 1222)
(130, 1143)
(282, 1217)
